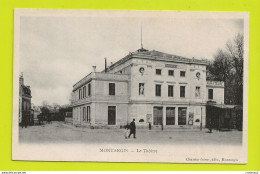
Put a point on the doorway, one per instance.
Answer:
(170, 116)
(157, 115)
(111, 115)
(182, 114)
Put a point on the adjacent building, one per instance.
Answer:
(148, 86)
(25, 112)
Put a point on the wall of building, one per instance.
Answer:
(218, 91)
(101, 113)
(150, 79)
(218, 95)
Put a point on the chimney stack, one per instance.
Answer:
(94, 68)
(21, 79)
(105, 64)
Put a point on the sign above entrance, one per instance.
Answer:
(215, 83)
(170, 66)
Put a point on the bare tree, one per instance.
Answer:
(228, 67)
(45, 103)
(71, 98)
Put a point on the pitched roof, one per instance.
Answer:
(157, 55)
(169, 57)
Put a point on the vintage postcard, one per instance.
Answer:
(130, 86)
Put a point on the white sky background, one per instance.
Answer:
(56, 52)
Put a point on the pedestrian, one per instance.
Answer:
(126, 131)
(24, 120)
(150, 126)
(132, 128)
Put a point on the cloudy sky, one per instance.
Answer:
(56, 52)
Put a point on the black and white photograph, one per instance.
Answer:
(130, 86)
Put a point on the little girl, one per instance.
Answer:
(126, 131)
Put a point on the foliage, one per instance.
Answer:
(227, 66)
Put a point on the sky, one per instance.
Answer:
(56, 52)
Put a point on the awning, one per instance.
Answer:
(223, 106)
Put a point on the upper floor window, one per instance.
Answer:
(197, 92)
(80, 93)
(89, 89)
(158, 71)
(170, 90)
(157, 90)
(84, 91)
(182, 91)
(210, 94)
(182, 73)
(111, 88)
(141, 88)
(171, 72)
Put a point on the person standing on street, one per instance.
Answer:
(132, 128)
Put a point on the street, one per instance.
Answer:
(59, 132)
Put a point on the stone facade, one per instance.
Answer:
(24, 100)
(148, 86)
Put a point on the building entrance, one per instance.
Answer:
(182, 114)
(170, 116)
(157, 115)
(111, 115)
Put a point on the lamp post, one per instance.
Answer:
(201, 117)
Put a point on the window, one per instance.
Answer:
(170, 90)
(158, 71)
(88, 113)
(111, 88)
(197, 92)
(182, 91)
(89, 89)
(171, 72)
(210, 94)
(84, 91)
(182, 73)
(141, 88)
(84, 113)
(157, 90)
(80, 91)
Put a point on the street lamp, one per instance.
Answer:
(201, 117)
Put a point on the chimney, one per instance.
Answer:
(21, 79)
(94, 68)
(105, 64)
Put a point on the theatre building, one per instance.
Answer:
(148, 86)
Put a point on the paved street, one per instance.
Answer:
(59, 132)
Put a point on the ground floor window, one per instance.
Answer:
(84, 113)
(88, 113)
